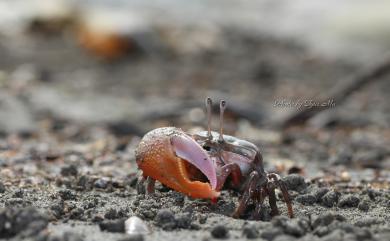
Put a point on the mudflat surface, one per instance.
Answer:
(70, 126)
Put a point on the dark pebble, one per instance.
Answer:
(343, 157)
(363, 234)
(220, 232)
(373, 194)
(348, 201)
(368, 221)
(202, 218)
(335, 235)
(97, 218)
(18, 193)
(250, 232)
(165, 219)
(21, 221)
(111, 214)
(364, 205)
(306, 199)
(271, 234)
(67, 194)
(320, 192)
(117, 226)
(321, 231)
(330, 199)
(76, 213)
(294, 227)
(326, 218)
(70, 170)
(101, 183)
(58, 209)
(183, 220)
(2, 188)
(19, 202)
(295, 182)
(82, 182)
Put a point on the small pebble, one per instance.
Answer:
(295, 227)
(117, 226)
(111, 214)
(67, 194)
(295, 182)
(306, 199)
(326, 218)
(2, 188)
(220, 232)
(70, 170)
(183, 220)
(18, 193)
(165, 219)
(82, 182)
(368, 221)
(364, 205)
(58, 209)
(101, 183)
(270, 234)
(97, 218)
(331, 198)
(202, 218)
(250, 232)
(320, 192)
(76, 213)
(348, 201)
(372, 194)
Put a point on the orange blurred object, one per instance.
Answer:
(109, 46)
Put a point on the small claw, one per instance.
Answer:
(188, 149)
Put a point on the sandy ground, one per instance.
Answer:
(70, 124)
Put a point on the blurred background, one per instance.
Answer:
(72, 70)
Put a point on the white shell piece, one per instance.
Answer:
(135, 225)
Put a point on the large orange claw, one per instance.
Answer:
(164, 154)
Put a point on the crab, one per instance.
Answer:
(199, 165)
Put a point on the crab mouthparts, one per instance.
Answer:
(190, 151)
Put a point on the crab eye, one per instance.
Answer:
(207, 148)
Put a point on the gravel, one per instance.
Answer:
(348, 201)
(295, 182)
(22, 222)
(220, 232)
(331, 198)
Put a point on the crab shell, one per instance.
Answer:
(165, 154)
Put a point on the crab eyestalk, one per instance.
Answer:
(222, 107)
(209, 103)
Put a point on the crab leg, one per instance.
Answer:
(286, 196)
(226, 170)
(150, 185)
(272, 201)
(140, 184)
(249, 193)
(259, 202)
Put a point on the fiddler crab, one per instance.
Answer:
(199, 165)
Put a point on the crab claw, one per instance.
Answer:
(186, 148)
(165, 155)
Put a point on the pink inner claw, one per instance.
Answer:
(188, 149)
